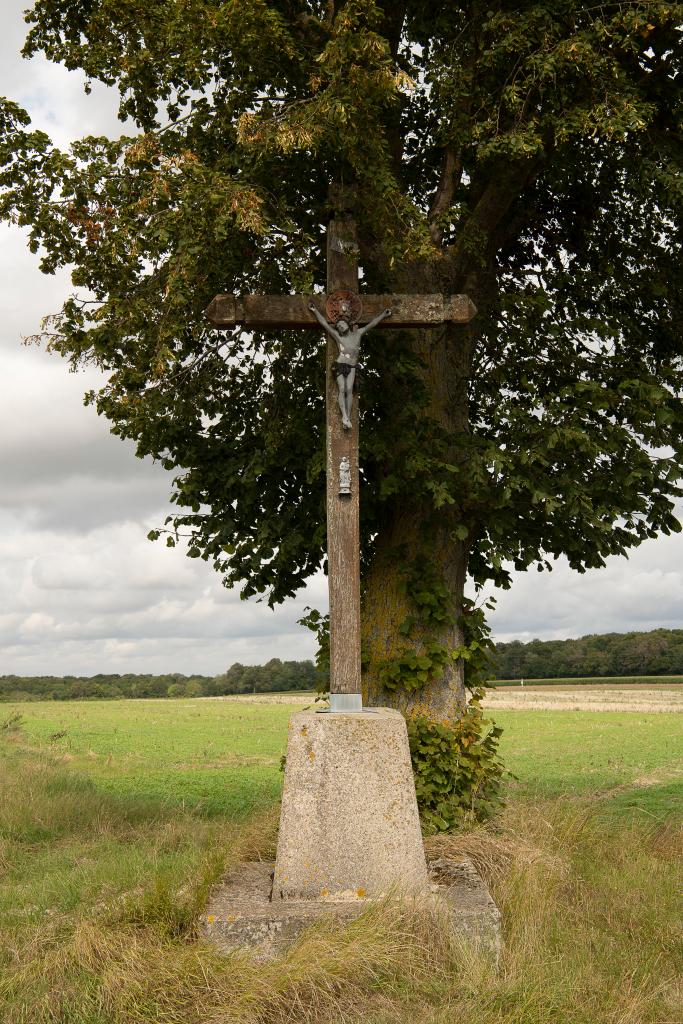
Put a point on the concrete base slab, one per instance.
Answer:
(241, 913)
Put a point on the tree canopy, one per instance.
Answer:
(528, 154)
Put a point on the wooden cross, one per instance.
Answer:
(260, 312)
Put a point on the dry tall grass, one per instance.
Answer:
(590, 911)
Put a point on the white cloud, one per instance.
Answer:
(642, 592)
(53, 96)
(108, 600)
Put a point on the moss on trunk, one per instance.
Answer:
(398, 628)
(418, 552)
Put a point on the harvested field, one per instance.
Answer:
(584, 698)
(618, 682)
(607, 697)
(269, 698)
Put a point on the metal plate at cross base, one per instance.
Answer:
(346, 703)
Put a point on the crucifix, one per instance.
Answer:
(346, 316)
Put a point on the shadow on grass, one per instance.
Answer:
(662, 802)
(44, 799)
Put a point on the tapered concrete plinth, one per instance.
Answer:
(349, 824)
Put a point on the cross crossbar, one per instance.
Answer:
(292, 311)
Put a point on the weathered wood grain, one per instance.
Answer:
(343, 531)
(262, 312)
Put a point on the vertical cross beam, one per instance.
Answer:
(343, 531)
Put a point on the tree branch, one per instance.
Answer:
(495, 199)
(451, 174)
(394, 13)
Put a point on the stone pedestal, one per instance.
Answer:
(349, 834)
(349, 826)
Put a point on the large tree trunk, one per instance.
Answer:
(387, 605)
(415, 534)
(422, 539)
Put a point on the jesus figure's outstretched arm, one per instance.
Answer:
(324, 323)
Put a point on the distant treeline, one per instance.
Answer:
(658, 653)
(275, 676)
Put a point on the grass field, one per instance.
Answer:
(116, 817)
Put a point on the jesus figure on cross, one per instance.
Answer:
(348, 338)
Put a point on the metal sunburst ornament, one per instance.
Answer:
(343, 305)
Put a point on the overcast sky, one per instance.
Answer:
(81, 588)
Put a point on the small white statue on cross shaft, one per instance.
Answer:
(348, 338)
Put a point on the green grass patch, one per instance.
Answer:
(220, 756)
(223, 757)
(593, 754)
